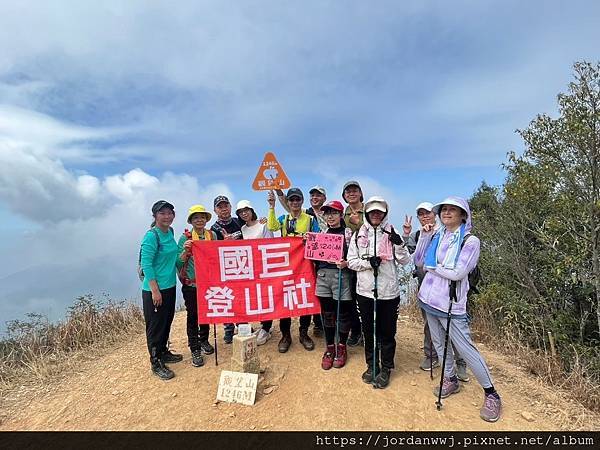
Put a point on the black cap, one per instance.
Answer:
(160, 205)
(220, 199)
(294, 192)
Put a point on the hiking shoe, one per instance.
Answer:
(168, 357)
(355, 339)
(427, 364)
(383, 378)
(284, 342)
(461, 370)
(449, 387)
(228, 337)
(340, 359)
(306, 341)
(317, 332)
(367, 375)
(263, 336)
(197, 359)
(206, 348)
(160, 370)
(327, 361)
(492, 408)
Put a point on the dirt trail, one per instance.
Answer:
(116, 391)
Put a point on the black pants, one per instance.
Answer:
(266, 324)
(285, 325)
(329, 311)
(195, 333)
(387, 315)
(317, 321)
(158, 319)
(355, 327)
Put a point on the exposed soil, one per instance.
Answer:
(115, 390)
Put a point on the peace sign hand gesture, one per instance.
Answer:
(407, 226)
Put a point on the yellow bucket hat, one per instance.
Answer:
(197, 209)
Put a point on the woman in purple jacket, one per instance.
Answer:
(448, 255)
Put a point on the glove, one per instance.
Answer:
(375, 261)
(395, 238)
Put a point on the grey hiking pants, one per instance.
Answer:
(460, 336)
(427, 343)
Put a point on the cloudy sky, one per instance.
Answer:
(108, 106)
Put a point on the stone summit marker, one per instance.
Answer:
(237, 387)
(244, 357)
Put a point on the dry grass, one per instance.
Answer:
(571, 373)
(36, 349)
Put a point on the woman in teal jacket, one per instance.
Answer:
(158, 257)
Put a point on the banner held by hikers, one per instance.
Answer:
(259, 279)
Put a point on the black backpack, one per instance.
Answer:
(474, 275)
(158, 244)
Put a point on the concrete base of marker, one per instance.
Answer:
(251, 366)
(244, 356)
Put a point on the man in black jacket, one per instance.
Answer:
(226, 227)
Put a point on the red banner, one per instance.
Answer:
(253, 280)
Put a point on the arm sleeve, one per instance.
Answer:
(179, 262)
(149, 250)
(354, 261)
(402, 254)
(419, 255)
(467, 260)
(272, 223)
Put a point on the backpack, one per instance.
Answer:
(474, 276)
(158, 245)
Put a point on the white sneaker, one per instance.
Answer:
(262, 337)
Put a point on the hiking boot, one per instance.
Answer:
(449, 387)
(228, 337)
(317, 332)
(284, 342)
(492, 408)
(461, 370)
(355, 340)
(160, 370)
(327, 360)
(367, 375)
(427, 364)
(197, 359)
(263, 336)
(383, 378)
(168, 357)
(206, 348)
(340, 359)
(306, 341)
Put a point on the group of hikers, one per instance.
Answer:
(359, 309)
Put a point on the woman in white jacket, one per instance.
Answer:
(373, 253)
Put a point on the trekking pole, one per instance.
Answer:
(452, 300)
(337, 315)
(215, 337)
(430, 355)
(375, 274)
